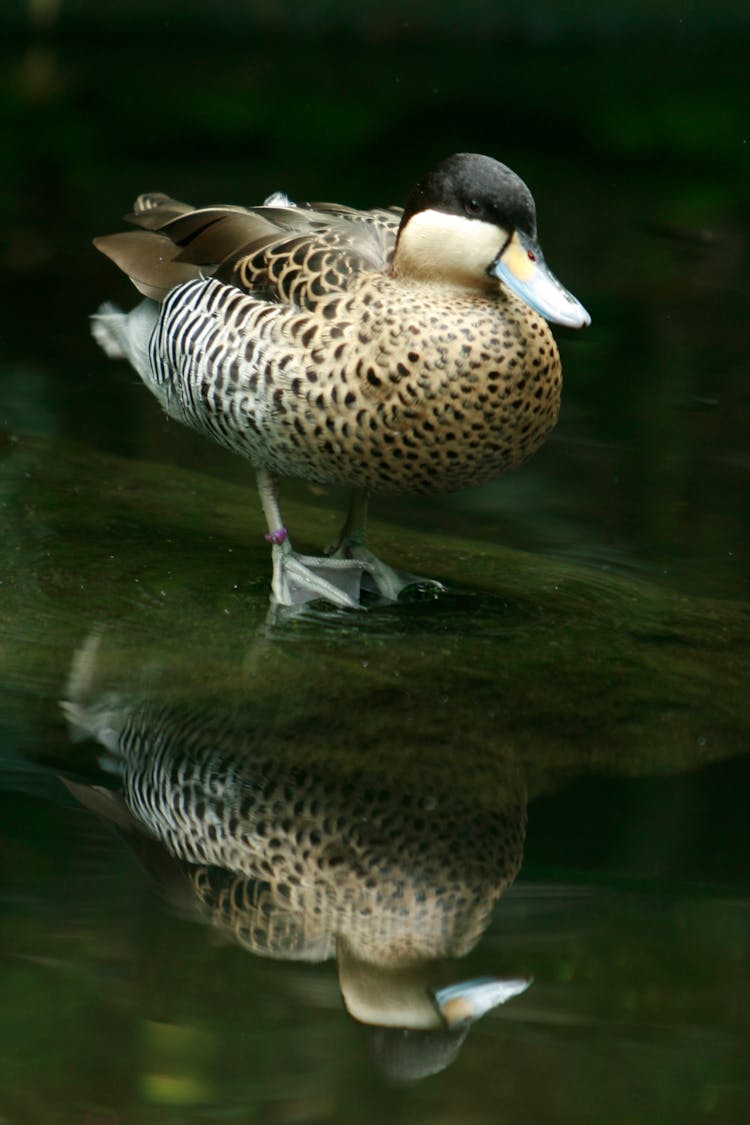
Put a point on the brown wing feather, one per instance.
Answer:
(291, 254)
(149, 260)
(153, 208)
(209, 236)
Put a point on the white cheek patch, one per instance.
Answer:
(439, 247)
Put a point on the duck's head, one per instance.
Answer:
(470, 222)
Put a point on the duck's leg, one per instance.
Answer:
(378, 577)
(303, 578)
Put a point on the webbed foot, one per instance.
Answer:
(378, 577)
(303, 578)
(347, 568)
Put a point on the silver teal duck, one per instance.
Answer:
(386, 350)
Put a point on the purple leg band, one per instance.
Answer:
(277, 536)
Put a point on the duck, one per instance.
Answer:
(385, 350)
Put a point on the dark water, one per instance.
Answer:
(243, 855)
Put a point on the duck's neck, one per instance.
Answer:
(447, 250)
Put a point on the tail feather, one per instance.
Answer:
(126, 335)
(106, 328)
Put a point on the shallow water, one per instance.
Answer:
(243, 851)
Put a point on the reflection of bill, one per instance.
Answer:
(389, 871)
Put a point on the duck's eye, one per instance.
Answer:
(472, 206)
(531, 255)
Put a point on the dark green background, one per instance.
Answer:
(596, 621)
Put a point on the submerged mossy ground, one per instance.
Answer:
(572, 668)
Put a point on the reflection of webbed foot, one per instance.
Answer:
(379, 577)
(303, 578)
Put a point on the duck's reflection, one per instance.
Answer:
(390, 864)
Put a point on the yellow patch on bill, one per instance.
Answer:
(517, 259)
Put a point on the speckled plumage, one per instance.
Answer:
(292, 855)
(335, 396)
(365, 348)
